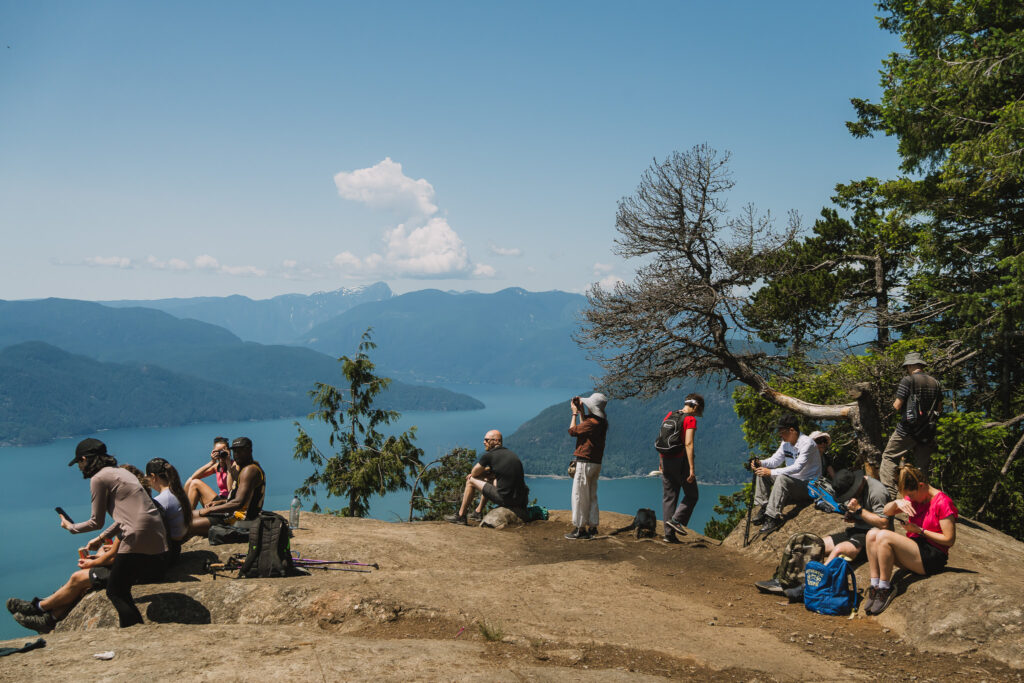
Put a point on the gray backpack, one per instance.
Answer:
(800, 549)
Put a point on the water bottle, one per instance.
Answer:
(293, 513)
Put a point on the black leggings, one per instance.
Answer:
(673, 479)
(127, 570)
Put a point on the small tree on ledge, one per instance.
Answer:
(365, 462)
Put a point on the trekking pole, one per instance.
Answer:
(750, 506)
(304, 561)
(333, 569)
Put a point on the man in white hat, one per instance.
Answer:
(918, 402)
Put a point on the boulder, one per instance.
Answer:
(499, 518)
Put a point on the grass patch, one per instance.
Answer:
(491, 632)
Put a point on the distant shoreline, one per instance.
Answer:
(631, 476)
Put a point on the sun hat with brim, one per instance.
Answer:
(846, 484)
(913, 358)
(596, 403)
(820, 435)
(88, 447)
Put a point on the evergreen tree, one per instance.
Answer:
(366, 461)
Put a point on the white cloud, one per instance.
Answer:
(608, 282)
(603, 268)
(385, 186)
(206, 262)
(506, 251)
(424, 246)
(243, 271)
(109, 261)
(178, 264)
(289, 264)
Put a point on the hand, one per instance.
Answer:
(852, 505)
(95, 544)
(905, 506)
(762, 472)
(86, 563)
(64, 523)
(691, 479)
(912, 528)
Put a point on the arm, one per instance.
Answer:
(100, 493)
(477, 472)
(689, 456)
(777, 458)
(945, 537)
(246, 487)
(104, 558)
(203, 472)
(858, 512)
(582, 429)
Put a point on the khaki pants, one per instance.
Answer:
(896, 451)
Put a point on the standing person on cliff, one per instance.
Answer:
(137, 523)
(678, 473)
(918, 397)
(589, 424)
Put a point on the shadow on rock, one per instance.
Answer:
(174, 608)
(190, 564)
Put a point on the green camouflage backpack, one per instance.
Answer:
(800, 549)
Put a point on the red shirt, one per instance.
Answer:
(928, 514)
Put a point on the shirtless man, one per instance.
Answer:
(245, 501)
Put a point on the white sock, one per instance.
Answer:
(874, 582)
(883, 584)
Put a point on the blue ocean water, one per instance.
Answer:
(34, 479)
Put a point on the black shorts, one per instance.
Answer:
(933, 559)
(98, 577)
(491, 494)
(853, 535)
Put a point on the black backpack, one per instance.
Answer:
(269, 549)
(920, 422)
(670, 438)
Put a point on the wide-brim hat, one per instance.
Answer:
(595, 403)
(819, 435)
(846, 484)
(87, 448)
(913, 358)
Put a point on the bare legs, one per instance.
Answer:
(67, 596)
(887, 549)
(198, 492)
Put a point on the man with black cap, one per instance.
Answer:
(865, 499)
(245, 501)
(920, 390)
(787, 472)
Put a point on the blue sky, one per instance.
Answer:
(152, 150)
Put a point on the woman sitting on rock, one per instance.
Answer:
(931, 532)
(173, 501)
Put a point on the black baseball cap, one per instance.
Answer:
(788, 421)
(241, 442)
(847, 483)
(87, 447)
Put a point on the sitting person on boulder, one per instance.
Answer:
(173, 502)
(865, 500)
(42, 615)
(824, 442)
(509, 492)
(198, 491)
(931, 532)
(244, 502)
(788, 482)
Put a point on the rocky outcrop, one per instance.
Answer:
(975, 605)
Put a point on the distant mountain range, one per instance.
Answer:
(280, 320)
(183, 361)
(545, 447)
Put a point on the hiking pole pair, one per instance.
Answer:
(750, 503)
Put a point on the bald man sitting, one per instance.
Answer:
(509, 490)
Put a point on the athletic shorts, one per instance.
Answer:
(933, 559)
(853, 535)
(98, 577)
(491, 494)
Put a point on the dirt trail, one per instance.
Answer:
(464, 603)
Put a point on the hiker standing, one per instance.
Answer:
(137, 523)
(918, 396)
(675, 446)
(589, 424)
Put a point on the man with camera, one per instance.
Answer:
(786, 473)
(864, 499)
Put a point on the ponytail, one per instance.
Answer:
(166, 470)
(910, 478)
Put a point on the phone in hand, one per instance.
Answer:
(60, 511)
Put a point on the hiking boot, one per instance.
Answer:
(475, 516)
(19, 606)
(456, 519)
(770, 586)
(676, 527)
(758, 517)
(577, 534)
(40, 623)
(869, 600)
(771, 524)
(670, 539)
(591, 531)
(883, 596)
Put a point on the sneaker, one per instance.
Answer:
(591, 531)
(475, 516)
(869, 600)
(883, 596)
(771, 524)
(40, 623)
(758, 517)
(456, 519)
(19, 606)
(770, 586)
(670, 539)
(577, 534)
(676, 527)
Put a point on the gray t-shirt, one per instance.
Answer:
(875, 498)
(136, 520)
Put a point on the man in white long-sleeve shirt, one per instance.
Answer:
(796, 462)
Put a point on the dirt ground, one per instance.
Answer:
(466, 603)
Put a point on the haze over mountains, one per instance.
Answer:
(163, 367)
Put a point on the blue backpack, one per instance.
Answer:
(824, 499)
(830, 588)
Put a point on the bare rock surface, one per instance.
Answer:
(466, 603)
(975, 606)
